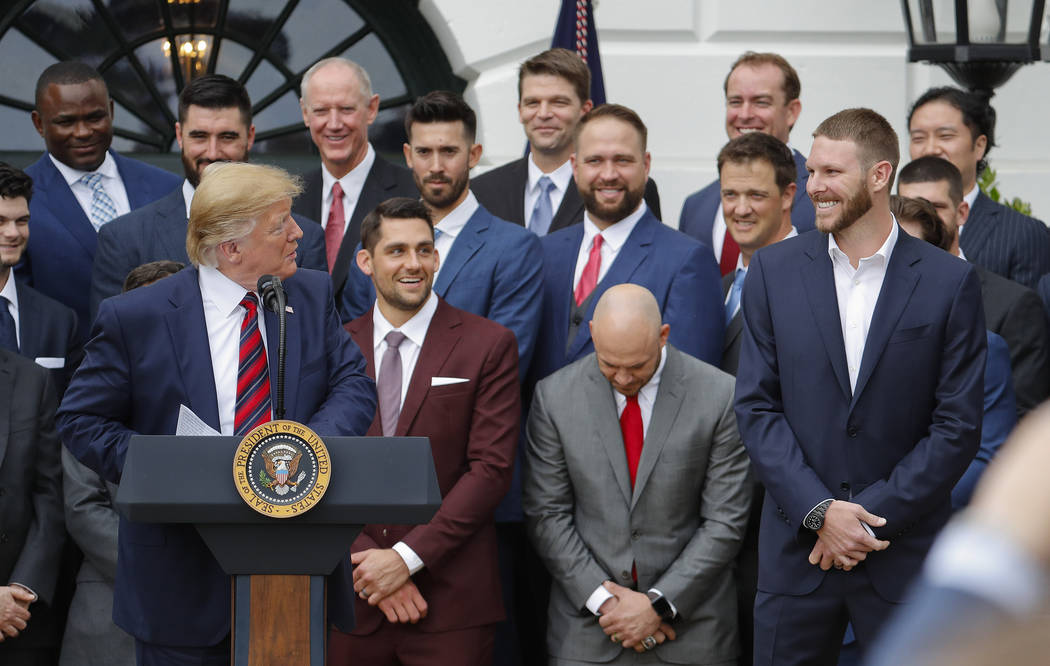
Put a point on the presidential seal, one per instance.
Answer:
(281, 469)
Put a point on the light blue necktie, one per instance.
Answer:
(540, 222)
(102, 208)
(733, 304)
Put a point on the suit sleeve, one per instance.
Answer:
(724, 510)
(111, 266)
(91, 520)
(517, 295)
(311, 248)
(694, 307)
(1025, 331)
(358, 293)
(490, 452)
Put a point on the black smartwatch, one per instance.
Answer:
(661, 605)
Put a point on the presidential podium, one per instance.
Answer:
(279, 564)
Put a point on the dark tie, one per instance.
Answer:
(589, 276)
(8, 337)
(333, 231)
(730, 252)
(253, 376)
(542, 214)
(633, 434)
(389, 383)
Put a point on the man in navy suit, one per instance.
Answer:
(762, 95)
(859, 398)
(960, 127)
(177, 342)
(215, 125)
(620, 241)
(79, 184)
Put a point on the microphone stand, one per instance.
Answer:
(272, 292)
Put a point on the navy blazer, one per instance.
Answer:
(679, 271)
(898, 443)
(492, 270)
(698, 211)
(62, 241)
(158, 232)
(48, 329)
(1006, 242)
(149, 353)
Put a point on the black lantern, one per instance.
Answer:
(980, 43)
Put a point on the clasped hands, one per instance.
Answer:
(628, 617)
(382, 579)
(843, 542)
(14, 610)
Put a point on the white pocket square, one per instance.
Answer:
(51, 361)
(445, 381)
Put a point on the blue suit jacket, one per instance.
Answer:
(48, 329)
(698, 211)
(158, 231)
(898, 443)
(679, 271)
(148, 354)
(62, 241)
(1006, 242)
(492, 270)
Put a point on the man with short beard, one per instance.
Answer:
(215, 125)
(859, 398)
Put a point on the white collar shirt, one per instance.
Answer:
(187, 196)
(111, 182)
(352, 184)
(613, 239)
(451, 225)
(561, 177)
(646, 396)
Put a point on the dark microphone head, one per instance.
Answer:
(271, 292)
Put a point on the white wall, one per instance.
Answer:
(667, 59)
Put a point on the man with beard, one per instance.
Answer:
(429, 594)
(621, 241)
(215, 125)
(859, 397)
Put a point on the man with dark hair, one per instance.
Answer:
(338, 105)
(960, 127)
(147, 274)
(762, 95)
(842, 328)
(538, 191)
(80, 184)
(215, 125)
(1011, 310)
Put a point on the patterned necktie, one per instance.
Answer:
(733, 302)
(633, 434)
(389, 383)
(8, 337)
(589, 276)
(730, 252)
(253, 376)
(102, 207)
(333, 231)
(542, 214)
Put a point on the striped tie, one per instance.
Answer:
(102, 208)
(253, 378)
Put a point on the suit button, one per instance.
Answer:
(852, 431)
(577, 319)
(634, 535)
(844, 487)
(626, 575)
(384, 531)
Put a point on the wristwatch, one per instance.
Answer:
(661, 605)
(815, 519)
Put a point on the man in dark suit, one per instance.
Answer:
(1011, 310)
(215, 125)
(182, 338)
(538, 191)
(841, 329)
(79, 184)
(762, 95)
(637, 494)
(960, 127)
(620, 241)
(427, 592)
(338, 106)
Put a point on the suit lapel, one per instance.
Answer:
(818, 279)
(62, 203)
(189, 335)
(569, 211)
(469, 241)
(442, 338)
(978, 226)
(601, 407)
(7, 383)
(294, 339)
(519, 176)
(560, 263)
(170, 224)
(29, 329)
(669, 398)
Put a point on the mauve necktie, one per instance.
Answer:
(388, 384)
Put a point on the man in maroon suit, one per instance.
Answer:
(430, 594)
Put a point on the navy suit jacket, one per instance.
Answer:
(1006, 242)
(48, 329)
(698, 211)
(158, 232)
(149, 353)
(679, 271)
(493, 271)
(898, 443)
(62, 241)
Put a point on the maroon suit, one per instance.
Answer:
(473, 429)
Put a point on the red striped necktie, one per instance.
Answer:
(253, 377)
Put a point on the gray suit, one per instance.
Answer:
(681, 526)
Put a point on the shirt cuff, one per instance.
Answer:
(597, 598)
(669, 602)
(27, 589)
(412, 560)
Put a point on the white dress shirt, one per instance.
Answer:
(858, 290)
(187, 195)
(352, 183)
(451, 225)
(111, 182)
(223, 316)
(415, 331)
(561, 177)
(10, 293)
(613, 239)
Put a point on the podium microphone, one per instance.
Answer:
(271, 291)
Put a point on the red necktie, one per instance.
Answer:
(730, 252)
(253, 377)
(333, 231)
(589, 276)
(633, 435)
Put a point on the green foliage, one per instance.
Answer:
(265, 479)
(990, 186)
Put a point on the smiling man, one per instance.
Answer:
(762, 95)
